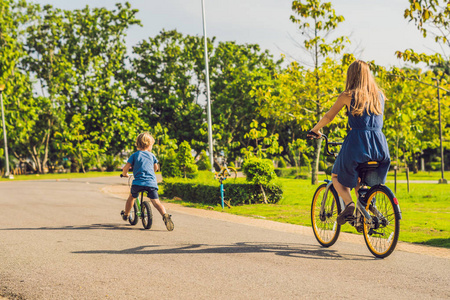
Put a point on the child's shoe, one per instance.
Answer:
(124, 216)
(168, 221)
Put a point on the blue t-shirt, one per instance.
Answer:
(143, 168)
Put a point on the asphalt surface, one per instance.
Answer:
(65, 240)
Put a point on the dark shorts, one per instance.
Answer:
(152, 192)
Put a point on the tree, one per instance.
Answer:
(29, 119)
(186, 160)
(77, 57)
(235, 71)
(290, 103)
(259, 144)
(167, 79)
(316, 19)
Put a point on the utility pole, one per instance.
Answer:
(7, 173)
(208, 104)
(442, 180)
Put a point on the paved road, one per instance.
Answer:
(65, 240)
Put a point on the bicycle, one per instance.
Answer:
(225, 172)
(377, 214)
(141, 209)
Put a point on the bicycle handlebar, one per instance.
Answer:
(327, 144)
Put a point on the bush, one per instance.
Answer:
(285, 172)
(203, 163)
(281, 163)
(186, 161)
(209, 192)
(322, 165)
(258, 170)
(111, 162)
(171, 167)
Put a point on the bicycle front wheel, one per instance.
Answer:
(323, 216)
(146, 215)
(382, 235)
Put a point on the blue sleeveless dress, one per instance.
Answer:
(364, 142)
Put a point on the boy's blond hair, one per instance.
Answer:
(144, 140)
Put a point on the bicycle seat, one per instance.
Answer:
(366, 171)
(370, 165)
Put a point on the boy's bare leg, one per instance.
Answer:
(157, 204)
(129, 204)
(162, 210)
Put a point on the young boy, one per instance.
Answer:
(144, 165)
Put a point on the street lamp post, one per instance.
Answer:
(7, 174)
(211, 158)
(442, 180)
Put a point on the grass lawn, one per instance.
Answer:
(436, 175)
(425, 210)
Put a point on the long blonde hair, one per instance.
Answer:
(362, 86)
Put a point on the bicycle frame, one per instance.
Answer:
(362, 191)
(138, 204)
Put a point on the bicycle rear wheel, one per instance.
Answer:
(323, 216)
(231, 172)
(382, 239)
(133, 217)
(146, 215)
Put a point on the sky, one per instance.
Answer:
(376, 28)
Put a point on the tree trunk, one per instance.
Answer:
(264, 194)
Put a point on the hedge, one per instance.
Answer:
(209, 193)
(285, 172)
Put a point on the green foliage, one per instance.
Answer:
(259, 144)
(186, 160)
(316, 19)
(203, 163)
(170, 168)
(166, 74)
(235, 71)
(163, 142)
(322, 165)
(285, 172)
(112, 162)
(281, 163)
(259, 171)
(209, 193)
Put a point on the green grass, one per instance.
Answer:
(425, 210)
(61, 176)
(419, 175)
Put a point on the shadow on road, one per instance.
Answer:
(112, 226)
(289, 250)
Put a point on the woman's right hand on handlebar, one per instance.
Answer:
(313, 135)
(124, 175)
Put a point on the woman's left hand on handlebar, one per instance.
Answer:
(313, 135)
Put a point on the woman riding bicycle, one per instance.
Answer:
(365, 141)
